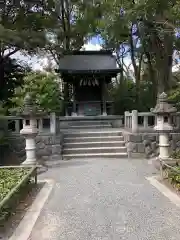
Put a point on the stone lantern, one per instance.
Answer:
(30, 131)
(163, 111)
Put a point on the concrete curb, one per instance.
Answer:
(173, 197)
(25, 227)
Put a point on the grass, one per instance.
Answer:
(9, 179)
(174, 177)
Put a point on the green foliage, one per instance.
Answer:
(144, 30)
(22, 28)
(174, 173)
(72, 23)
(174, 177)
(44, 90)
(3, 140)
(9, 178)
(14, 73)
(174, 97)
(175, 154)
(124, 97)
(2, 110)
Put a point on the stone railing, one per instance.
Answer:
(13, 124)
(140, 121)
(175, 120)
(136, 121)
(48, 141)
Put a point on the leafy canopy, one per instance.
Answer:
(44, 89)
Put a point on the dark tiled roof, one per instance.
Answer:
(88, 61)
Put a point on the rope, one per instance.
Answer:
(170, 167)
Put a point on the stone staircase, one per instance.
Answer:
(95, 139)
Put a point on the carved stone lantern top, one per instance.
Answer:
(29, 109)
(163, 107)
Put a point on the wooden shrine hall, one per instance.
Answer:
(86, 75)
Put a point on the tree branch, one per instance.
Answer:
(11, 53)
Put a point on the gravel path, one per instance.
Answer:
(107, 199)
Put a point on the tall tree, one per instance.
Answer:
(14, 73)
(74, 22)
(21, 29)
(148, 29)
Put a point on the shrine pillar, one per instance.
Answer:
(104, 106)
(66, 98)
(74, 110)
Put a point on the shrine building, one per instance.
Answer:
(86, 75)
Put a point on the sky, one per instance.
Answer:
(93, 44)
(38, 63)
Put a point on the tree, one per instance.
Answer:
(14, 73)
(74, 22)
(21, 29)
(43, 88)
(156, 23)
(124, 96)
(147, 30)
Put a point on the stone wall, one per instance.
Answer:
(47, 147)
(146, 144)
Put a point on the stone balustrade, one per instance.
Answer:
(45, 125)
(136, 121)
(140, 121)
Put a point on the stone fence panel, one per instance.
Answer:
(146, 144)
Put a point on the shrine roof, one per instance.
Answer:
(88, 61)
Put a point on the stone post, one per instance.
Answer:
(53, 123)
(125, 119)
(17, 126)
(178, 122)
(134, 121)
(145, 121)
(163, 110)
(40, 125)
(30, 130)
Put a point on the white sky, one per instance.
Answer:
(40, 63)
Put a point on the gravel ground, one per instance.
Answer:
(107, 199)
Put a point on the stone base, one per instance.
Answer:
(74, 114)
(148, 143)
(29, 162)
(117, 123)
(46, 146)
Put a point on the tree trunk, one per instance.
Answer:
(163, 51)
(137, 69)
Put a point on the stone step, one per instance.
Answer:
(92, 126)
(94, 144)
(95, 155)
(92, 150)
(92, 139)
(76, 134)
(90, 123)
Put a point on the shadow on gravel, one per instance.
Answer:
(9, 226)
(61, 164)
(68, 163)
